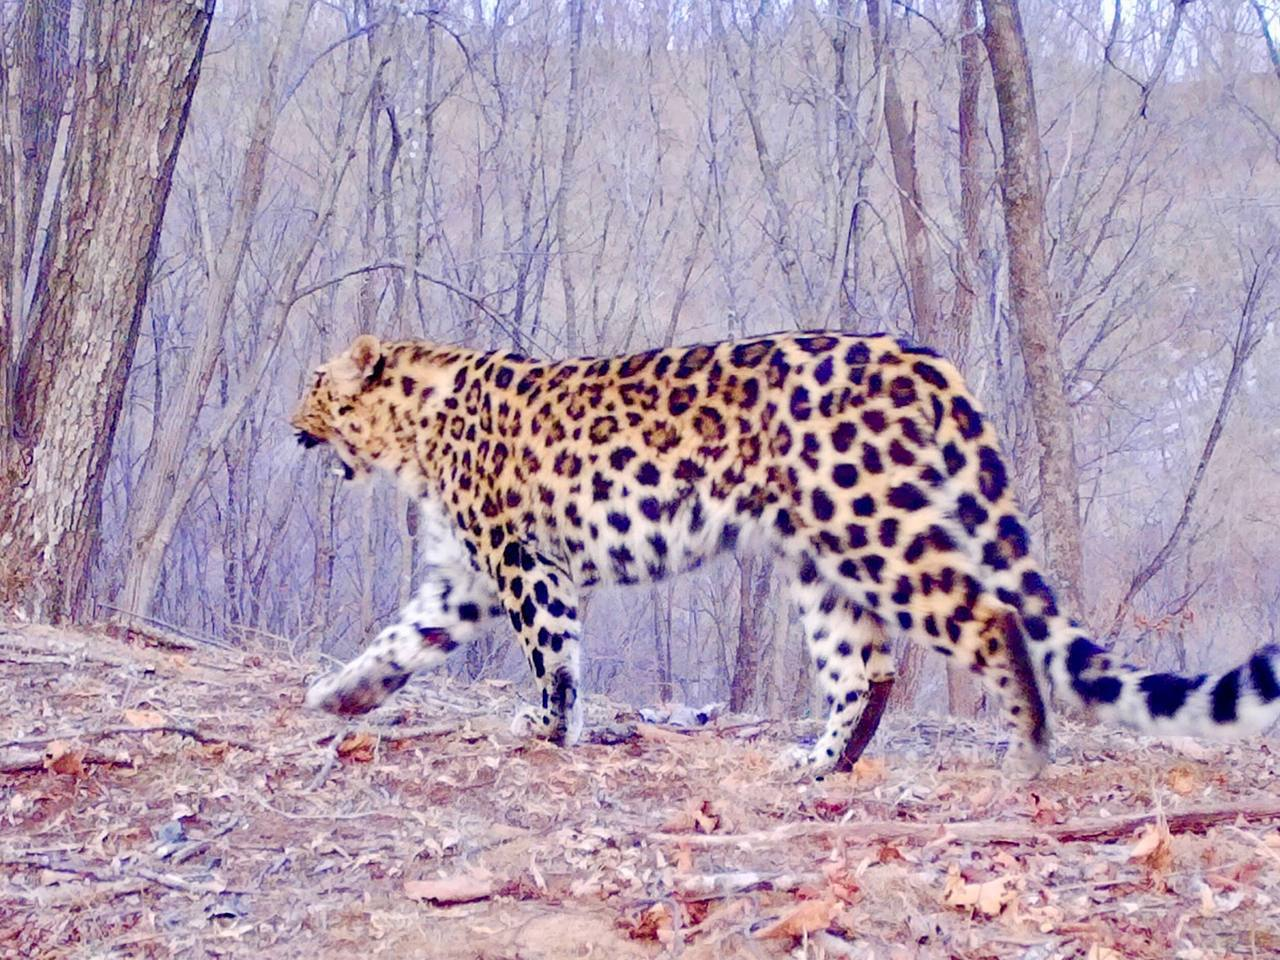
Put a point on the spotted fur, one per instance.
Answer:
(863, 462)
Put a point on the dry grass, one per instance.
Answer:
(158, 801)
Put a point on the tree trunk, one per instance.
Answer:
(572, 112)
(967, 124)
(964, 695)
(143, 576)
(755, 576)
(125, 130)
(169, 449)
(1029, 294)
(915, 233)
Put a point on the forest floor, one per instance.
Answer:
(161, 799)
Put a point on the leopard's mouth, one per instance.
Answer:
(309, 440)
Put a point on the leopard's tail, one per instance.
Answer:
(1064, 658)
(1239, 703)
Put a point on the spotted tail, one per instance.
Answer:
(1241, 702)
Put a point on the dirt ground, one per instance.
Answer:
(159, 799)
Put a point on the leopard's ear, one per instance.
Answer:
(362, 361)
(365, 352)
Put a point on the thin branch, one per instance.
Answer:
(1249, 334)
(106, 732)
(989, 831)
(1273, 51)
(497, 319)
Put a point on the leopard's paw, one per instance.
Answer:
(333, 694)
(531, 722)
(798, 763)
(1024, 761)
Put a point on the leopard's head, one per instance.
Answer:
(344, 410)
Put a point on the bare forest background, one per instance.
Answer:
(570, 177)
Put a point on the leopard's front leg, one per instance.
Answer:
(450, 609)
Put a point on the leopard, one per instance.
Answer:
(862, 463)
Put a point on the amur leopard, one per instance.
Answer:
(862, 462)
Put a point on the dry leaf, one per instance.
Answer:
(357, 747)
(1047, 810)
(649, 731)
(841, 883)
(696, 816)
(654, 923)
(869, 770)
(145, 718)
(683, 859)
(806, 917)
(988, 898)
(216, 751)
(1154, 848)
(1190, 747)
(461, 889)
(62, 757)
(1183, 780)
(1208, 907)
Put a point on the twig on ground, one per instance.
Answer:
(22, 761)
(106, 732)
(94, 873)
(988, 831)
(331, 758)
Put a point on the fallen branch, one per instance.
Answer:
(989, 831)
(118, 873)
(711, 886)
(331, 759)
(106, 732)
(22, 761)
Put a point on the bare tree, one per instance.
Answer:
(78, 319)
(1023, 192)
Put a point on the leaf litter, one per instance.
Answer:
(162, 801)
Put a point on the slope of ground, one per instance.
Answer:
(162, 800)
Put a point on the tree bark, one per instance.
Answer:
(142, 579)
(915, 233)
(964, 695)
(755, 576)
(167, 455)
(125, 130)
(572, 113)
(967, 125)
(1029, 294)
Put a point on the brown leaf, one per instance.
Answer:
(1154, 849)
(145, 718)
(1183, 779)
(654, 923)
(1047, 810)
(869, 770)
(684, 859)
(461, 889)
(808, 916)
(215, 751)
(357, 747)
(988, 897)
(62, 757)
(697, 816)
(888, 853)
